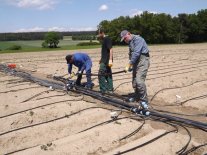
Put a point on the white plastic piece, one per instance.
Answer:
(178, 98)
(114, 114)
(51, 88)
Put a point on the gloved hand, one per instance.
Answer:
(110, 63)
(128, 68)
(79, 72)
(71, 75)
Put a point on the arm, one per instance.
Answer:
(111, 55)
(109, 46)
(70, 68)
(138, 44)
(81, 68)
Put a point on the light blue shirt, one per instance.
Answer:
(137, 46)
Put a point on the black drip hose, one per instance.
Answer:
(106, 74)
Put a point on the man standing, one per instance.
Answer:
(139, 63)
(83, 62)
(106, 62)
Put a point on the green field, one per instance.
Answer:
(32, 46)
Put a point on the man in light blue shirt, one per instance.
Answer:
(83, 62)
(138, 63)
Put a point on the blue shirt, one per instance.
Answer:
(82, 61)
(137, 46)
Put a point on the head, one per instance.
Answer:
(125, 36)
(101, 34)
(69, 59)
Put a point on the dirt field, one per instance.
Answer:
(176, 82)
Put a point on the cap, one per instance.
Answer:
(123, 34)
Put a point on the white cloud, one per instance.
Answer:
(103, 7)
(135, 12)
(34, 29)
(37, 4)
(83, 29)
(55, 28)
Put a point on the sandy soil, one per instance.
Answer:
(176, 82)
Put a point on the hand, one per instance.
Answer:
(99, 61)
(110, 63)
(79, 72)
(71, 75)
(128, 68)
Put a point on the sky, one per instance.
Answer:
(82, 15)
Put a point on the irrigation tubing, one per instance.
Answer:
(169, 112)
(51, 96)
(38, 107)
(105, 122)
(59, 118)
(46, 91)
(134, 132)
(19, 84)
(15, 90)
(151, 140)
(146, 143)
(21, 150)
(118, 72)
(116, 102)
(200, 125)
(193, 149)
(175, 88)
(186, 145)
(109, 100)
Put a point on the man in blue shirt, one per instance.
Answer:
(139, 63)
(83, 62)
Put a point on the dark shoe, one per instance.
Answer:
(110, 92)
(88, 87)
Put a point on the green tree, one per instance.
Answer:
(51, 40)
(160, 28)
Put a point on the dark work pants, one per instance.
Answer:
(105, 81)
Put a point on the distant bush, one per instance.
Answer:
(88, 43)
(51, 40)
(44, 45)
(14, 47)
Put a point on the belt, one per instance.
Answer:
(145, 54)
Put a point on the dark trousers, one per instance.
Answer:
(88, 77)
(105, 78)
(87, 67)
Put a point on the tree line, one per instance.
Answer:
(160, 28)
(80, 35)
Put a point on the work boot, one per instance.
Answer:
(110, 92)
(89, 85)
